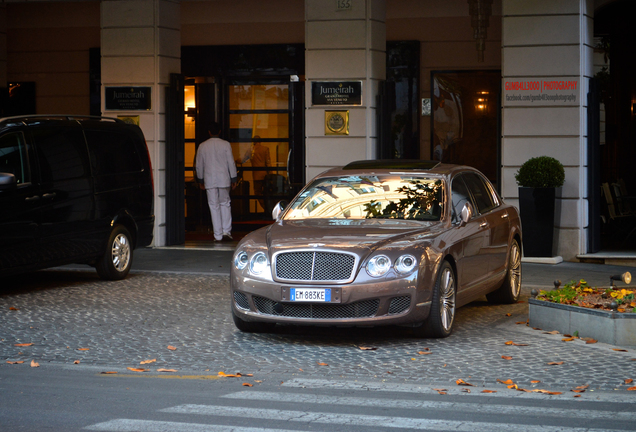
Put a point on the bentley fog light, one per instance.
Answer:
(378, 265)
(405, 264)
(258, 263)
(240, 260)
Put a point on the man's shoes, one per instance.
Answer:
(228, 236)
(219, 240)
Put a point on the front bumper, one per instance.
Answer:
(384, 302)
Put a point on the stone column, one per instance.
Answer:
(344, 41)
(141, 46)
(546, 65)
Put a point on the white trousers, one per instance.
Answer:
(219, 202)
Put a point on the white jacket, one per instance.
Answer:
(215, 163)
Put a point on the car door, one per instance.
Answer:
(67, 192)
(497, 223)
(20, 203)
(473, 263)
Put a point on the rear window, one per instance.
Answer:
(112, 152)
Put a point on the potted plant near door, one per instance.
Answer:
(540, 180)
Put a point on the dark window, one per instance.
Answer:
(461, 196)
(13, 157)
(484, 198)
(112, 153)
(61, 153)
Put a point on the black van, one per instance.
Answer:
(73, 189)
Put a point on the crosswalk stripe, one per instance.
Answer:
(421, 404)
(366, 420)
(502, 391)
(128, 425)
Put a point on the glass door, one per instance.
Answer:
(259, 131)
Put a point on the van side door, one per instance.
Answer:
(20, 203)
(67, 192)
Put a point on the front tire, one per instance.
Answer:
(510, 290)
(117, 259)
(439, 323)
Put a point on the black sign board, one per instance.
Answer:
(336, 93)
(128, 98)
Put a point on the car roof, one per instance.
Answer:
(396, 166)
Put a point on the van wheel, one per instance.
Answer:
(252, 327)
(117, 259)
(509, 291)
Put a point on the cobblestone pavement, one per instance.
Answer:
(123, 323)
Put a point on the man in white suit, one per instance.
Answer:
(216, 172)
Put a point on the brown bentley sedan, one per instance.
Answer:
(380, 243)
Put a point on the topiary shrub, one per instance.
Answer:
(541, 172)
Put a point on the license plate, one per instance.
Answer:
(310, 294)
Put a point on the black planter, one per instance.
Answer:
(540, 211)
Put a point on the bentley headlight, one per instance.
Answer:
(378, 265)
(258, 264)
(405, 264)
(240, 260)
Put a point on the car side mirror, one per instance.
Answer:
(279, 208)
(466, 214)
(7, 181)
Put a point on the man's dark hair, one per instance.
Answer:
(215, 128)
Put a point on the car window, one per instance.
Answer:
(460, 196)
(112, 152)
(13, 157)
(482, 194)
(61, 153)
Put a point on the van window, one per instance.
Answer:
(61, 153)
(13, 157)
(112, 152)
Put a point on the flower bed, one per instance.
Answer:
(582, 310)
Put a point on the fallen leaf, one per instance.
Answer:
(171, 348)
(513, 386)
(515, 344)
(508, 314)
(364, 348)
(389, 372)
(323, 364)
(23, 344)
(506, 357)
(166, 370)
(629, 381)
(34, 363)
(583, 387)
(489, 391)
(577, 390)
(249, 375)
(413, 358)
(522, 322)
(577, 395)
(567, 335)
(83, 349)
(108, 372)
(590, 340)
(523, 390)
(223, 374)
(76, 362)
(424, 352)
(301, 370)
(248, 385)
(12, 308)
(426, 349)
(547, 392)
(15, 362)
(507, 382)
(535, 381)
(631, 389)
(465, 390)
(552, 332)
(555, 363)
(148, 361)
(440, 391)
(567, 340)
(258, 381)
(137, 369)
(462, 382)
(619, 349)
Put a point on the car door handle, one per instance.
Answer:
(33, 198)
(504, 216)
(49, 195)
(482, 225)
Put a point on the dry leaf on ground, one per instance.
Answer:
(619, 349)
(137, 369)
(522, 322)
(248, 385)
(223, 374)
(552, 332)
(83, 349)
(515, 344)
(166, 370)
(567, 340)
(12, 308)
(547, 392)
(424, 352)
(465, 390)
(15, 362)
(462, 382)
(76, 362)
(322, 364)
(506, 357)
(23, 344)
(555, 363)
(508, 314)
(148, 361)
(535, 381)
(441, 391)
(34, 363)
(489, 391)
(589, 340)
(108, 372)
(363, 348)
(506, 382)
(631, 389)
(171, 348)
(583, 387)
(629, 381)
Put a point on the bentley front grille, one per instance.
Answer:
(314, 266)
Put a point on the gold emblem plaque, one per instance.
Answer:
(336, 122)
